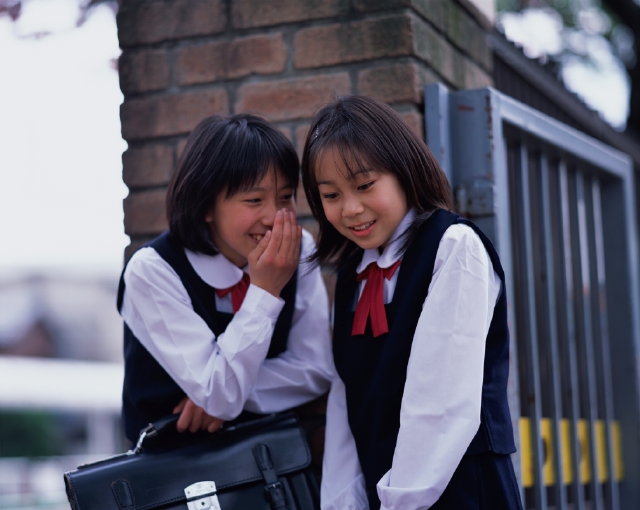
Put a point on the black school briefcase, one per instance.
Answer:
(259, 465)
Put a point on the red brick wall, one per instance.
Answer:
(185, 59)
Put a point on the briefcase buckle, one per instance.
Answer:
(274, 493)
(202, 496)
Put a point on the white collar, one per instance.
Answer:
(392, 251)
(216, 270)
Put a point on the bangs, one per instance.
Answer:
(242, 169)
(356, 156)
(223, 156)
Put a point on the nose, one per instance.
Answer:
(351, 206)
(269, 212)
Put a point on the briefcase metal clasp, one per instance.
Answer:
(202, 496)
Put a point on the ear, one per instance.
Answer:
(210, 214)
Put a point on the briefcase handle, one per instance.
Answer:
(155, 428)
(169, 422)
(151, 430)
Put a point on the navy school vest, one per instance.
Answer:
(149, 393)
(374, 370)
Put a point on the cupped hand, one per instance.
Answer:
(275, 259)
(194, 418)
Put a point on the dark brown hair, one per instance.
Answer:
(232, 154)
(368, 134)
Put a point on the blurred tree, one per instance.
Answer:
(12, 8)
(584, 26)
(629, 11)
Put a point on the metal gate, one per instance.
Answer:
(559, 207)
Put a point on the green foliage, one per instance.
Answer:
(509, 5)
(566, 10)
(28, 434)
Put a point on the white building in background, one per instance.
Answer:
(60, 353)
(60, 316)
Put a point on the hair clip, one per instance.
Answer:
(317, 133)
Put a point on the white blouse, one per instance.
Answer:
(440, 409)
(227, 374)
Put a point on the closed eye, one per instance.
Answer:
(286, 197)
(329, 196)
(365, 186)
(253, 200)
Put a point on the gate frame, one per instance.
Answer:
(466, 132)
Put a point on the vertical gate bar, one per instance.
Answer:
(534, 404)
(578, 495)
(589, 353)
(613, 497)
(560, 493)
(503, 234)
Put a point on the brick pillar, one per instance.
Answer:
(183, 60)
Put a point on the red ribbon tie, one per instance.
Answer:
(371, 302)
(238, 292)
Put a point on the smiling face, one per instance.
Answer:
(366, 207)
(239, 222)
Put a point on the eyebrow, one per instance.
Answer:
(254, 189)
(351, 177)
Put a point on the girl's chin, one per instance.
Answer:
(365, 244)
(365, 240)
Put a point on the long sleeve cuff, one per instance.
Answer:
(261, 301)
(252, 324)
(395, 498)
(352, 497)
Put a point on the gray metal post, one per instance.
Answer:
(570, 332)
(552, 331)
(534, 395)
(613, 496)
(436, 118)
(589, 374)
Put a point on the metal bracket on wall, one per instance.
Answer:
(476, 198)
